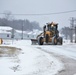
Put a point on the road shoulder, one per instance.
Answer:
(69, 65)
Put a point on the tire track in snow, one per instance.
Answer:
(61, 50)
(69, 64)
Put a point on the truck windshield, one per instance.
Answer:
(53, 28)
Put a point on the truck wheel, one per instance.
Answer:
(60, 40)
(40, 41)
(54, 41)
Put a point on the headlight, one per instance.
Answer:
(52, 25)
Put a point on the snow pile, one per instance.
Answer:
(31, 61)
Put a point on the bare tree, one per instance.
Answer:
(8, 15)
(64, 31)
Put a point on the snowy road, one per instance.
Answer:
(68, 50)
(66, 53)
(35, 59)
(31, 61)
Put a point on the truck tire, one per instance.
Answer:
(54, 41)
(60, 41)
(40, 41)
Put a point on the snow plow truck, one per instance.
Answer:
(50, 35)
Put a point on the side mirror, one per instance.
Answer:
(45, 27)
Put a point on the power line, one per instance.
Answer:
(43, 13)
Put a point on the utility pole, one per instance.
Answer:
(13, 35)
(75, 30)
(72, 26)
(22, 28)
(75, 34)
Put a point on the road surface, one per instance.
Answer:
(66, 53)
(40, 60)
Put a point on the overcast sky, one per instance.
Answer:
(41, 7)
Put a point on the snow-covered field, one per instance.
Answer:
(30, 61)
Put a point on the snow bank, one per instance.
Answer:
(31, 61)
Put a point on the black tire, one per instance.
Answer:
(47, 38)
(54, 41)
(60, 40)
(40, 41)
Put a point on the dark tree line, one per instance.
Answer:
(17, 24)
(67, 32)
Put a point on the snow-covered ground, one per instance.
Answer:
(30, 61)
(67, 49)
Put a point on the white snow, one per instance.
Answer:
(67, 49)
(31, 61)
(4, 28)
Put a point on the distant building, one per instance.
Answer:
(9, 33)
(4, 32)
